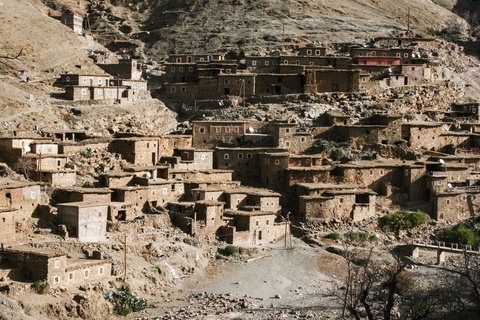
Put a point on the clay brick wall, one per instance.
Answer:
(70, 149)
(7, 225)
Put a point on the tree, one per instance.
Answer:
(26, 166)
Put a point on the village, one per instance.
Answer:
(238, 182)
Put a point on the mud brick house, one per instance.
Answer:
(149, 172)
(134, 199)
(86, 221)
(243, 161)
(204, 175)
(319, 201)
(54, 267)
(211, 194)
(99, 195)
(280, 171)
(45, 148)
(109, 94)
(252, 227)
(468, 111)
(161, 191)
(117, 179)
(190, 159)
(424, 135)
(85, 80)
(24, 196)
(59, 178)
(332, 80)
(404, 54)
(138, 150)
(398, 180)
(208, 134)
(139, 85)
(252, 199)
(168, 143)
(194, 58)
(7, 225)
(72, 21)
(455, 204)
(406, 75)
(128, 69)
(337, 118)
(12, 148)
(288, 136)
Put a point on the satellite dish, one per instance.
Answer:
(251, 129)
(442, 162)
(149, 175)
(390, 70)
(27, 149)
(449, 185)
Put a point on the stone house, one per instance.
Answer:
(128, 69)
(24, 196)
(332, 80)
(141, 151)
(244, 162)
(117, 179)
(190, 159)
(252, 199)
(168, 143)
(208, 134)
(12, 148)
(44, 148)
(7, 225)
(456, 204)
(405, 54)
(133, 199)
(65, 178)
(85, 80)
(289, 136)
(319, 201)
(111, 94)
(424, 135)
(204, 175)
(98, 195)
(86, 221)
(194, 58)
(54, 267)
(72, 21)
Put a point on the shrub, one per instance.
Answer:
(42, 287)
(334, 236)
(87, 153)
(325, 146)
(127, 303)
(230, 250)
(461, 234)
(404, 219)
(361, 236)
(338, 154)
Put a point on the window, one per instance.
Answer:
(70, 276)
(406, 172)
(190, 69)
(381, 172)
(100, 270)
(287, 130)
(184, 89)
(448, 201)
(439, 182)
(180, 69)
(277, 162)
(317, 52)
(180, 189)
(405, 55)
(309, 52)
(267, 222)
(257, 223)
(218, 130)
(267, 62)
(164, 190)
(228, 71)
(226, 81)
(86, 272)
(84, 92)
(67, 79)
(203, 157)
(173, 187)
(371, 172)
(227, 130)
(413, 68)
(240, 156)
(297, 62)
(84, 80)
(398, 55)
(235, 129)
(285, 62)
(202, 130)
(287, 143)
(56, 279)
(108, 92)
(472, 166)
(249, 155)
(254, 63)
(154, 193)
(100, 81)
(202, 59)
(303, 139)
(173, 89)
(360, 54)
(464, 198)
(172, 69)
(99, 91)
(226, 156)
(57, 264)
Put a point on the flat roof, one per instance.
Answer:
(81, 204)
(381, 163)
(253, 192)
(49, 253)
(229, 212)
(144, 168)
(6, 183)
(89, 190)
(315, 186)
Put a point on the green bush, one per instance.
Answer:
(42, 287)
(230, 250)
(325, 146)
(127, 303)
(338, 154)
(461, 233)
(404, 219)
(361, 236)
(334, 236)
(87, 153)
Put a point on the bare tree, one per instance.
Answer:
(26, 166)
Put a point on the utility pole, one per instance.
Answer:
(289, 230)
(39, 168)
(118, 88)
(283, 21)
(286, 230)
(125, 258)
